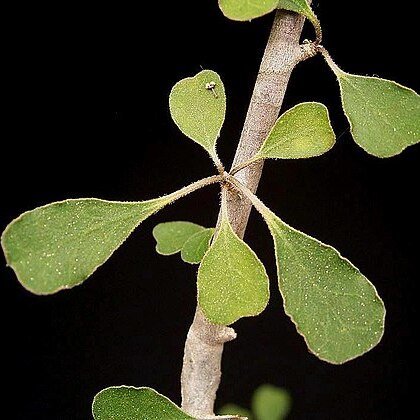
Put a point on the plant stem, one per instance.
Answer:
(191, 188)
(337, 71)
(201, 370)
(254, 200)
(282, 54)
(243, 165)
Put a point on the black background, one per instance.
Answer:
(86, 116)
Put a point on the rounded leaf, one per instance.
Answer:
(198, 107)
(196, 246)
(171, 236)
(232, 281)
(271, 403)
(60, 245)
(129, 403)
(303, 131)
(384, 116)
(333, 305)
(243, 10)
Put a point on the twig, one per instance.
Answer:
(201, 370)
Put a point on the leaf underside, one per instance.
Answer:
(129, 403)
(384, 116)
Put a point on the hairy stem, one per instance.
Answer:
(192, 187)
(330, 61)
(253, 199)
(201, 370)
(243, 165)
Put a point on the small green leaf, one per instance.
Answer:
(243, 10)
(60, 245)
(196, 246)
(171, 236)
(334, 307)
(232, 282)
(384, 116)
(198, 107)
(129, 403)
(302, 132)
(302, 7)
(271, 403)
(235, 410)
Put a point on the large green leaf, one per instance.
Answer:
(384, 116)
(129, 403)
(333, 305)
(196, 246)
(60, 245)
(271, 403)
(171, 236)
(232, 282)
(243, 10)
(302, 132)
(198, 107)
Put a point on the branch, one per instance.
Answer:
(201, 370)
(281, 56)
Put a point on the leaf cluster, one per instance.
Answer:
(333, 305)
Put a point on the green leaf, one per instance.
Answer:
(235, 410)
(302, 7)
(302, 132)
(271, 403)
(232, 282)
(196, 246)
(384, 116)
(243, 10)
(198, 107)
(191, 239)
(129, 403)
(334, 307)
(60, 245)
(171, 236)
